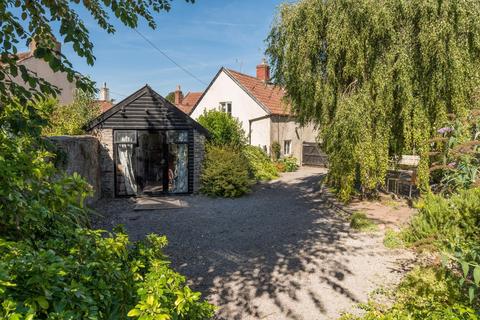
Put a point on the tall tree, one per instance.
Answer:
(23, 21)
(377, 77)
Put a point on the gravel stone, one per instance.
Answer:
(278, 253)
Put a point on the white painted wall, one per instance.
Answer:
(244, 108)
(260, 133)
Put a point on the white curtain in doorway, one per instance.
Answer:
(125, 153)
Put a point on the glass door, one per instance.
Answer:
(151, 162)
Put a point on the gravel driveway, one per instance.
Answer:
(278, 253)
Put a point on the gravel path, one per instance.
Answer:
(278, 253)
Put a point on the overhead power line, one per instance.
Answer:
(118, 94)
(168, 57)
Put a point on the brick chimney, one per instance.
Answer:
(178, 96)
(263, 71)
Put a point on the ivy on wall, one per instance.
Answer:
(377, 77)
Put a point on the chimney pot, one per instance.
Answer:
(178, 96)
(263, 71)
(104, 93)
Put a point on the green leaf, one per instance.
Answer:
(465, 268)
(150, 300)
(134, 313)
(476, 275)
(42, 301)
(471, 293)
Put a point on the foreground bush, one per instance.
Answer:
(446, 220)
(451, 225)
(260, 164)
(51, 265)
(225, 173)
(425, 293)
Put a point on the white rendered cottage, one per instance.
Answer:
(264, 115)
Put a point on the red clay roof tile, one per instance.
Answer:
(270, 96)
(189, 101)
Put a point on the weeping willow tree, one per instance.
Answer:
(376, 76)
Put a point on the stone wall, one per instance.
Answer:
(199, 155)
(81, 156)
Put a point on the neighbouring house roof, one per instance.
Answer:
(189, 101)
(104, 105)
(159, 101)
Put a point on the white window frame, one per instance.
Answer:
(287, 147)
(226, 106)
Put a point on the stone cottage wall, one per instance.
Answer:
(199, 155)
(81, 156)
(105, 136)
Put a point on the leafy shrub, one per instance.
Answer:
(456, 163)
(452, 226)
(71, 119)
(287, 164)
(360, 221)
(276, 148)
(94, 274)
(225, 173)
(291, 164)
(51, 265)
(425, 293)
(225, 130)
(444, 219)
(261, 166)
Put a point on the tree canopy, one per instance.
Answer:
(377, 77)
(23, 21)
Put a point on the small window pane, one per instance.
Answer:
(287, 147)
(125, 136)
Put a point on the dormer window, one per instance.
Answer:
(226, 107)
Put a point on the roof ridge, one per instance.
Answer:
(243, 74)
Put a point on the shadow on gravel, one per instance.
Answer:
(256, 246)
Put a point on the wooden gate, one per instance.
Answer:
(312, 155)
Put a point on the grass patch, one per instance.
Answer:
(359, 221)
(392, 239)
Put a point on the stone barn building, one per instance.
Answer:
(148, 147)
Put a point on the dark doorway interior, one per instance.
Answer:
(151, 162)
(151, 173)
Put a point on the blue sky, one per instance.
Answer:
(202, 37)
